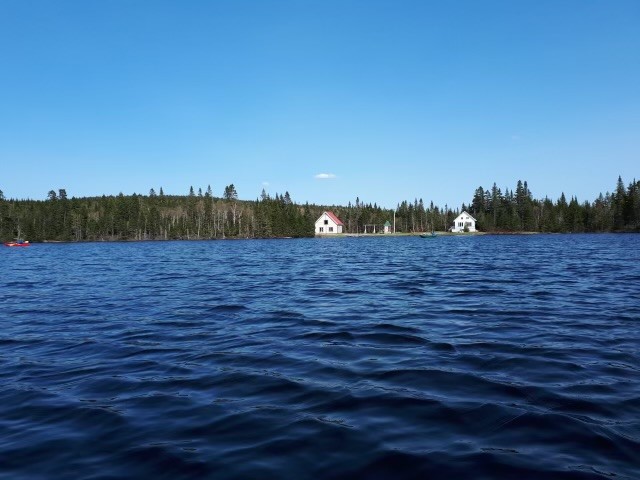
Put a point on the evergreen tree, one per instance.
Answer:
(496, 201)
(478, 202)
(635, 197)
(619, 201)
(230, 192)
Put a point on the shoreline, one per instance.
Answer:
(337, 235)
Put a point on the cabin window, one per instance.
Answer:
(331, 229)
(326, 222)
(321, 229)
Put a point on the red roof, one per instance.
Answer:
(332, 216)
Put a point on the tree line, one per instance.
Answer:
(201, 215)
(155, 216)
(519, 211)
(511, 211)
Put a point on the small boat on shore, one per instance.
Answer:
(428, 235)
(17, 243)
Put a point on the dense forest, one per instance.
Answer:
(201, 215)
(519, 211)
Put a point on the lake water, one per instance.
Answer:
(481, 357)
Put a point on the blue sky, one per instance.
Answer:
(391, 100)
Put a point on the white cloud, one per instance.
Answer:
(325, 176)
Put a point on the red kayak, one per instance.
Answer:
(19, 243)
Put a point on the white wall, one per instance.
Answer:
(462, 220)
(326, 226)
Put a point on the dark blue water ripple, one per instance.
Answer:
(461, 357)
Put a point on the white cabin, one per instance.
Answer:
(329, 224)
(462, 221)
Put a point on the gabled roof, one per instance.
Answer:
(333, 217)
(465, 212)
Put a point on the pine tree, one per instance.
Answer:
(230, 192)
(619, 201)
(496, 200)
(477, 204)
(628, 209)
(635, 195)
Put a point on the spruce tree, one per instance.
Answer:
(619, 201)
(230, 192)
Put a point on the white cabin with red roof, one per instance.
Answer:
(329, 224)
